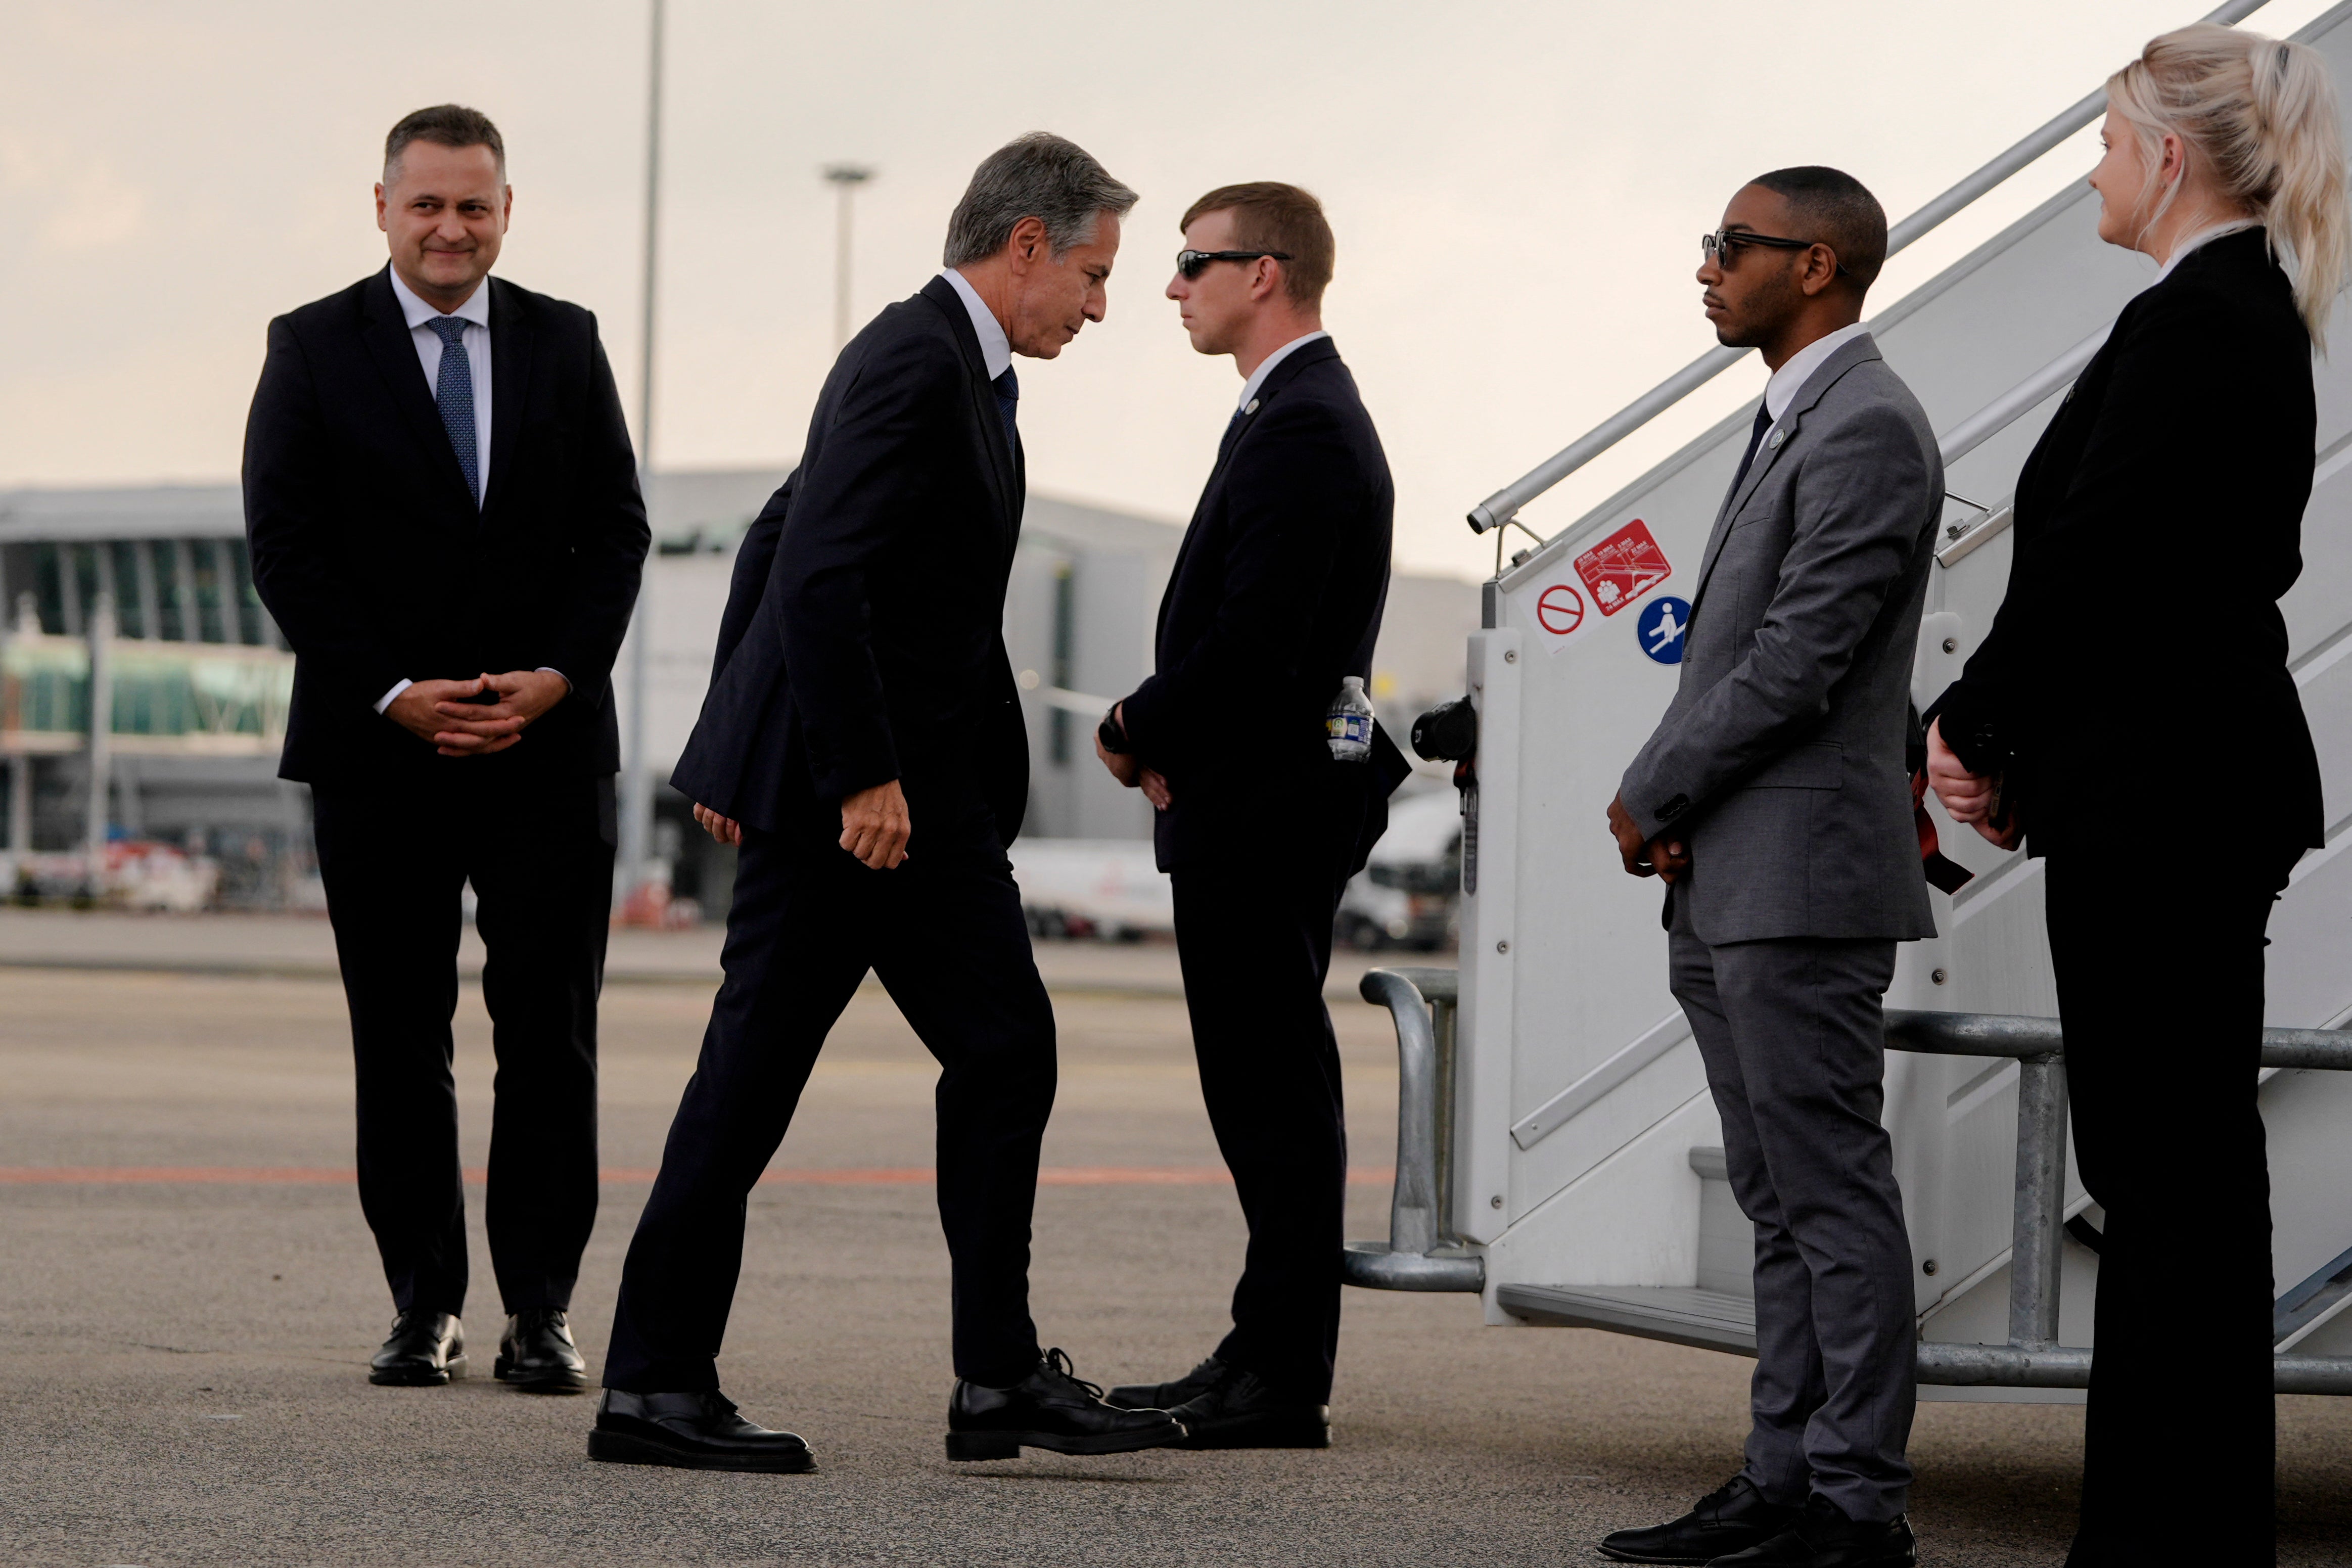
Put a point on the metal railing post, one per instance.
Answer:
(1441, 1013)
(1412, 1207)
(1420, 1002)
(2041, 1217)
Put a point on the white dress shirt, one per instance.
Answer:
(995, 349)
(1265, 368)
(1790, 378)
(475, 313)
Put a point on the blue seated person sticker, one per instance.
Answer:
(1661, 627)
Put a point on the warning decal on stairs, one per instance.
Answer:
(1622, 567)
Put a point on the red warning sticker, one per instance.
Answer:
(1622, 567)
(1561, 609)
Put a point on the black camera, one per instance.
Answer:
(1448, 732)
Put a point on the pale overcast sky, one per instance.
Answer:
(1517, 191)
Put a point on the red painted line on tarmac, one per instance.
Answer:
(847, 1175)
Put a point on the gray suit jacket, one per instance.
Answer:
(1780, 758)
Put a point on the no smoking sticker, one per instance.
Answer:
(1559, 609)
(1561, 612)
(1622, 567)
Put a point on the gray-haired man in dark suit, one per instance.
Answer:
(1773, 800)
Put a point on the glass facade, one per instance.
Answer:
(171, 590)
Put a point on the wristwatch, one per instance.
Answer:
(1112, 733)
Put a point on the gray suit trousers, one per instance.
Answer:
(1792, 1034)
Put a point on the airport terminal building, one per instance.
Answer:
(199, 676)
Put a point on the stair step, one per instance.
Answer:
(1679, 1314)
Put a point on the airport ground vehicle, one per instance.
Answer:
(1408, 894)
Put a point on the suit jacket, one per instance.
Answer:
(1275, 597)
(370, 553)
(1780, 758)
(871, 646)
(2171, 480)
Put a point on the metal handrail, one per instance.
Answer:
(1504, 504)
(1997, 415)
(2026, 1038)
(1417, 1255)
(2033, 1357)
(1421, 1002)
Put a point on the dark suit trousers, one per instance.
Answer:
(1256, 946)
(2161, 986)
(945, 934)
(1793, 1037)
(395, 861)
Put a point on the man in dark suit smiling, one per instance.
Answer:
(444, 515)
(1274, 605)
(863, 743)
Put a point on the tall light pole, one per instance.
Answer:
(637, 784)
(845, 178)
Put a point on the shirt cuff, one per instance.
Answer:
(550, 669)
(384, 702)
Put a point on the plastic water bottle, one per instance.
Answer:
(1349, 725)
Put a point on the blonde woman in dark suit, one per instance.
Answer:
(2225, 164)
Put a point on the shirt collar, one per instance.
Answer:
(1789, 379)
(2203, 235)
(477, 309)
(1266, 367)
(995, 349)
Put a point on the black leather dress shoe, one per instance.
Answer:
(537, 1355)
(1050, 1409)
(1732, 1517)
(1825, 1537)
(1168, 1396)
(1238, 1411)
(426, 1351)
(691, 1432)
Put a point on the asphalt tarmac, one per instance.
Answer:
(188, 1316)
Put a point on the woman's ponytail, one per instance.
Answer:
(2262, 113)
(2294, 105)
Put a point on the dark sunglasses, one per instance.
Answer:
(1722, 247)
(1190, 264)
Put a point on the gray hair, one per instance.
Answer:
(1039, 175)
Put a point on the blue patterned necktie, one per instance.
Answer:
(453, 393)
(1008, 401)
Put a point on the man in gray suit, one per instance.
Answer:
(1772, 800)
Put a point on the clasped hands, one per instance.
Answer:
(1129, 770)
(1665, 857)
(439, 712)
(1968, 798)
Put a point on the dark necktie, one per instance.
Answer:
(1755, 439)
(453, 393)
(1008, 403)
(1233, 433)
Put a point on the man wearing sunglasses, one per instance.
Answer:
(1275, 599)
(1773, 801)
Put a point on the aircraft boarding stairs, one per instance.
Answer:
(1558, 1149)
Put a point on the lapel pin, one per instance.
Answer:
(1252, 407)
(1777, 437)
